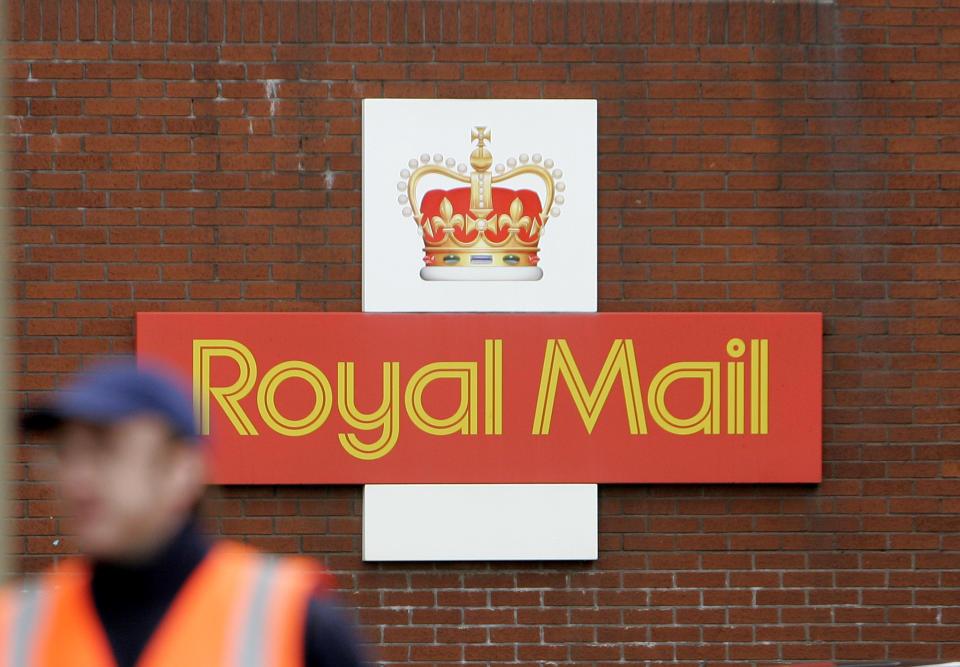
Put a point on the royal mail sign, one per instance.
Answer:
(350, 398)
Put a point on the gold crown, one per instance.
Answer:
(481, 232)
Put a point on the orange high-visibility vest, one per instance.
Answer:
(237, 609)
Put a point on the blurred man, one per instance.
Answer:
(152, 591)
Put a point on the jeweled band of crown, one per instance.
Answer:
(479, 231)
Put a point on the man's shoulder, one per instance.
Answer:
(293, 571)
(22, 597)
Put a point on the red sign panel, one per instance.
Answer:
(350, 398)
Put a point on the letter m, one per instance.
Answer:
(558, 362)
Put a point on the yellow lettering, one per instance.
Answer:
(558, 360)
(266, 398)
(227, 397)
(759, 385)
(493, 387)
(385, 417)
(735, 387)
(464, 417)
(707, 417)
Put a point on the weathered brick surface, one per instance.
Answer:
(173, 155)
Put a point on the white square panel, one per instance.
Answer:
(443, 522)
(402, 135)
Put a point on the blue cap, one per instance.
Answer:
(115, 391)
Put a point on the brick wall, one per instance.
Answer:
(753, 156)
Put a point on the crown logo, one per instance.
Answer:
(481, 230)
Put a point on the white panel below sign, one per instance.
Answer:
(479, 522)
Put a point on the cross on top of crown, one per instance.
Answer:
(480, 158)
(480, 134)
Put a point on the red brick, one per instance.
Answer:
(752, 157)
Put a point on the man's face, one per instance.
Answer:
(128, 485)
